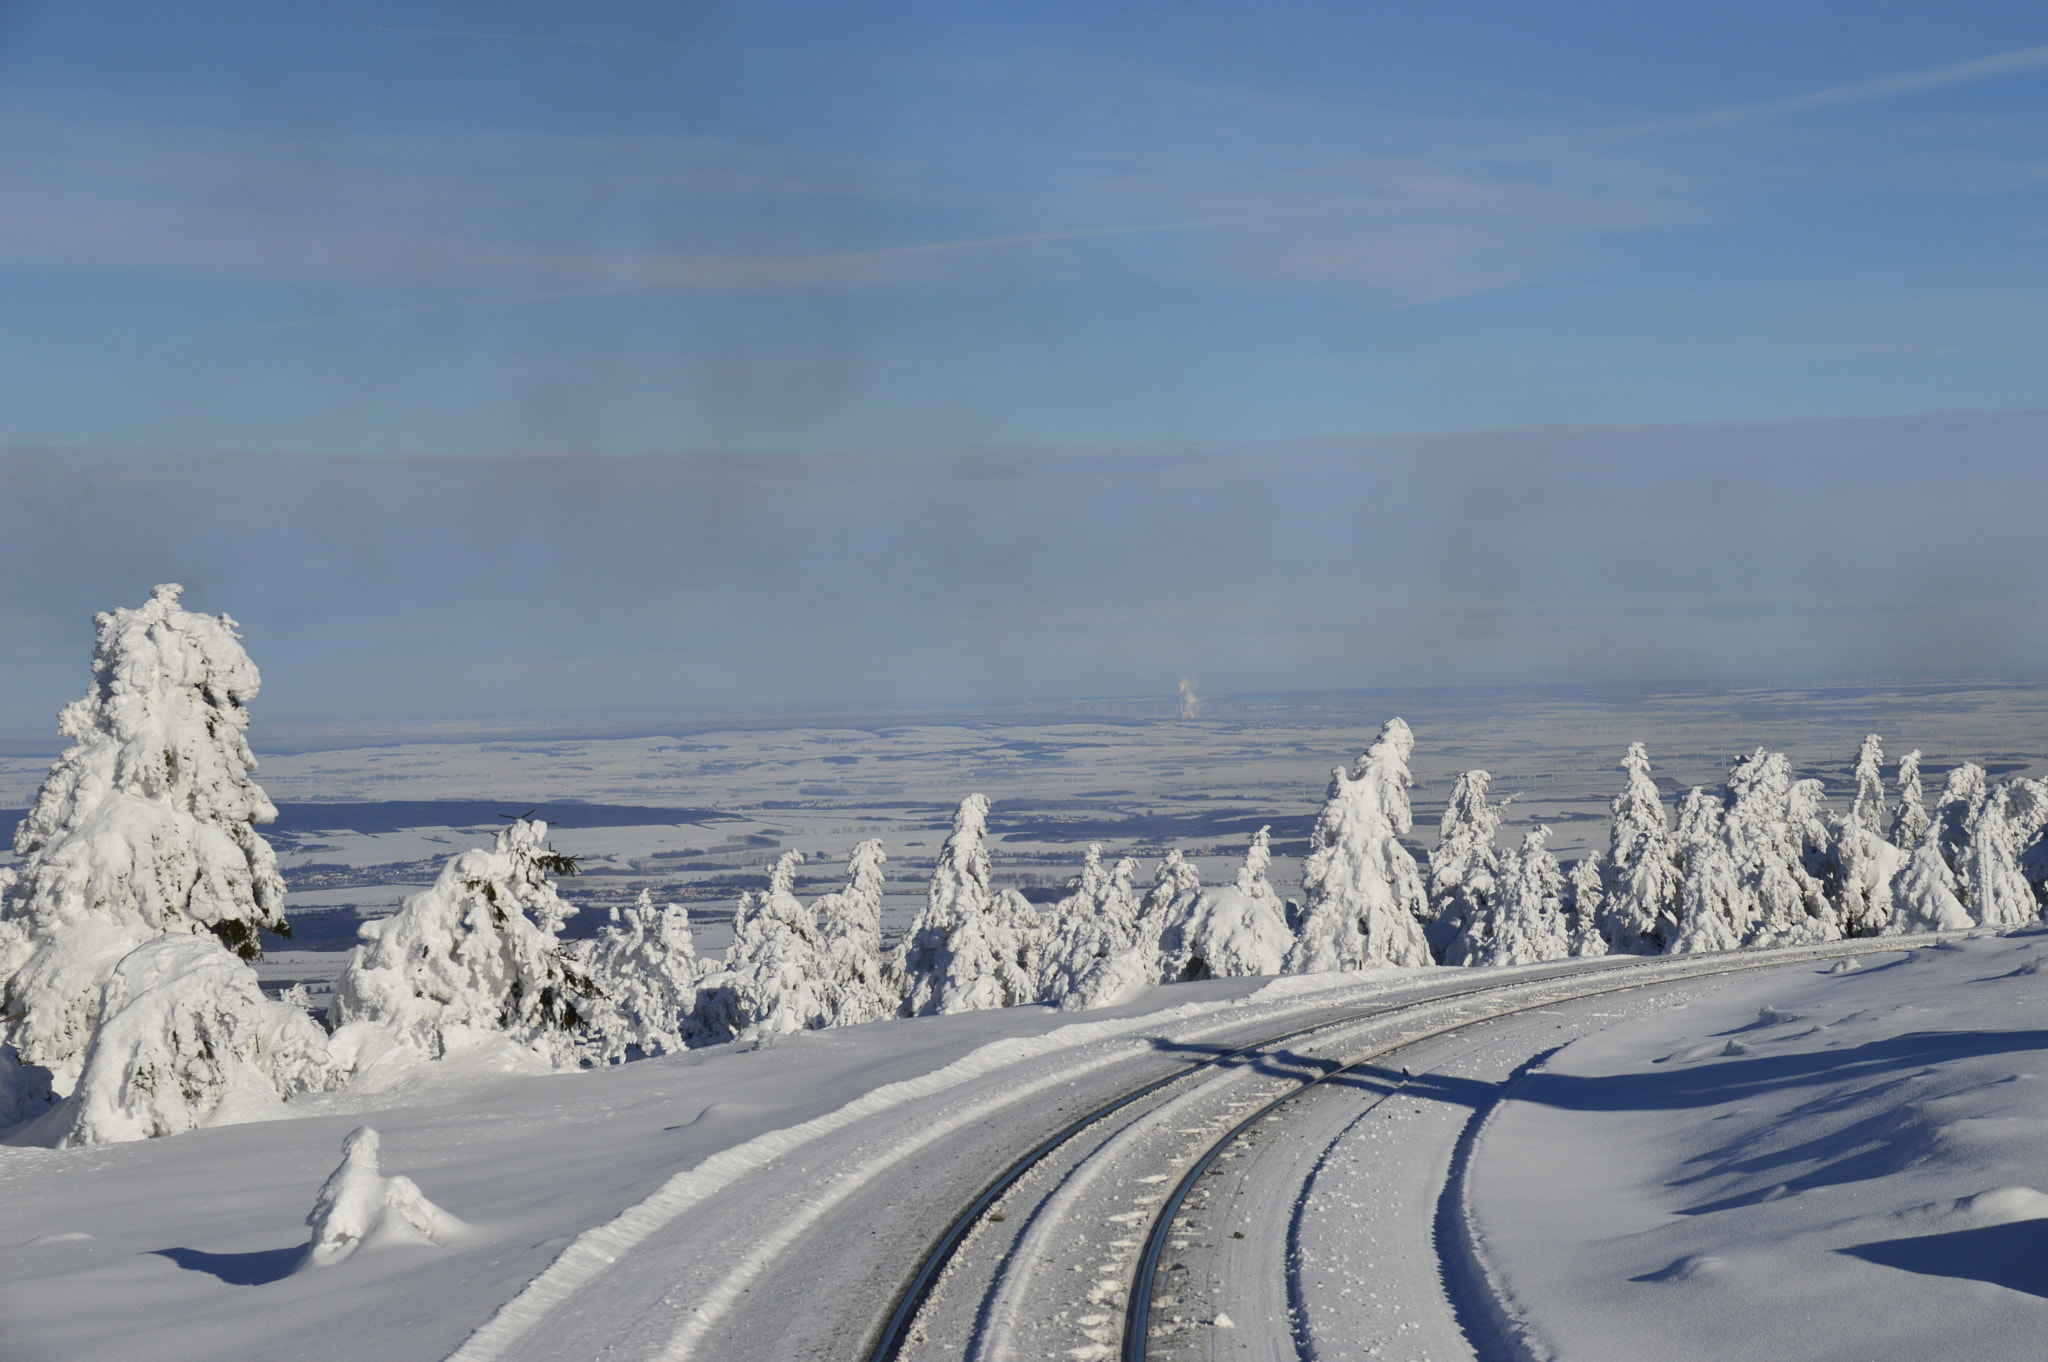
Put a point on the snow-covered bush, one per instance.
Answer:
(145, 826)
(1462, 868)
(185, 1039)
(1640, 910)
(1524, 920)
(358, 1207)
(1711, 914)
(778, 975)
(644, 972)
(970, 947)
(851, 920)
(1236, 929)
(1365, 900)
(1160, 953)
(1924, 897)
(1092, 930)
(476, 954)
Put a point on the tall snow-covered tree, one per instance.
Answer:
(1524, 921)
(1713, 912)
(1999, 831)
(1464, 865)
(779, 974)
(1910, 819)
(1868, 807)
(476, 955)
(971, 946)
(1955, 814)
(851, 919)
(1235, 929)
(1365, 899)
(644, 970)
(1767, 818)
(145, 826)
(1082, 964)
(1643, 879)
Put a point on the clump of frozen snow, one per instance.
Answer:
(145, 825)
(186, 1038)
(358, 1207)
(476, 953)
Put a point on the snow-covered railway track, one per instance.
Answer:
(1044, 1261)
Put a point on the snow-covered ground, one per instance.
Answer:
(1808, 1160)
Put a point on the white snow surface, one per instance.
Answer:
(1830, 1162)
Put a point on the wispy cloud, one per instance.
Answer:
(2016, 62)
(601, 42)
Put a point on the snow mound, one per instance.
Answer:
(358, 1207)
(186, 1038)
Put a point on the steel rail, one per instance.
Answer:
(1138, 1301)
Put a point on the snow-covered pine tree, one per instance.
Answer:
(778, 975)
(1863, 863)
(1713, 911)
(1463, 866)
(971, 947)
(475, 956)
(1584, 896)
(1999, 893)
(1091, 930)
(645, 971)
(1910, 819)
(851, 919)
(1365, 900)
(1524, 921)
(1766, 821)
(1236, 929)
(1924, 897)
(1163, 920)
(1955, 814)
(1643, 879)
(145, 826)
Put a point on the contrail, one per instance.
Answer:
(603, 42)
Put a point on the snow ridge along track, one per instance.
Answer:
(1482, 1311)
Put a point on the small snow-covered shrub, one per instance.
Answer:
(1235, 929)
(644, 971)
(145, 825)
(778, 975)
(1080, 965)
(476, 954)
(358, 1207)
(185, 1039)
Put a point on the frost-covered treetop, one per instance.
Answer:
(166, 720)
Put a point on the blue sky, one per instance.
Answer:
(739, 240)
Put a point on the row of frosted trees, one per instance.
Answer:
(128, 1007)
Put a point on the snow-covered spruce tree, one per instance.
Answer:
(1864, 863)
(1164, 917)
(1910, 819)
(644, 970)
(1955, 814)
(1713, 912)
(1924, 897)
(1092, 928)
(1365, 900)
(1585, 897)
(1767, 820)
(1238, 929)
(1524, 921)
(2005, 822)
(186, 1038)
(475, 956)
(851, 919)
(145, 826)
(1463, 867)
(778, 975)
(971, 947)
(1643, 878)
